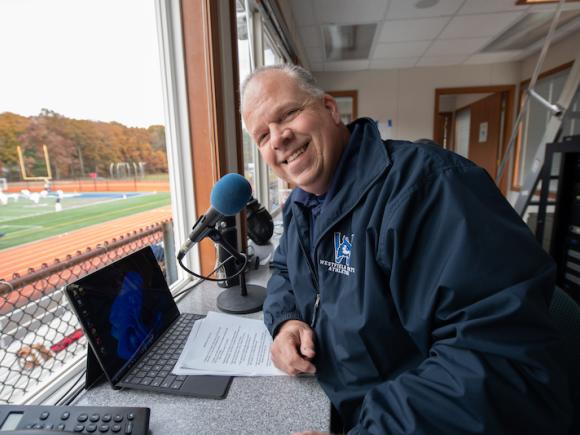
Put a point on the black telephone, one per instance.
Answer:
(50, 420)
(35, 432)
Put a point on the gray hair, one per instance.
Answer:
(303, 77)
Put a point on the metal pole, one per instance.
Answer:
(531, 86)
(169, 251)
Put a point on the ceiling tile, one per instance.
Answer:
(303, 12)
(315, 54)
(349, 11)
(397, 62)
(412, 30)
(474, 26)
(400, 49)
(486, 6)
(406, 9)
(451, 47)
(502, 56)
(310, 36)
(347, 65)
(441, 60)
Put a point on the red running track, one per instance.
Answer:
(34, 254)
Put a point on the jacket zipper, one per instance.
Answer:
(316, 288)
(315, 312)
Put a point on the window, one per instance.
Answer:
(245, 68)
(275, 184)
(85, 148)
(256, 48)
(536, 119)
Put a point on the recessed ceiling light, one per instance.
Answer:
(425, 4)
(532, 28)
(348, 42)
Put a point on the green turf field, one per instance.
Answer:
(23, 221)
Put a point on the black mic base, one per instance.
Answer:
(231, 300)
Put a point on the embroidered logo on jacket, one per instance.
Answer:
(342, 249)
(342, 255)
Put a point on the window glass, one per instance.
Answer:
(83, 167)
(245, 68)
(275, 185)
(536, 120)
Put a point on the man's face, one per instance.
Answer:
(299, 136)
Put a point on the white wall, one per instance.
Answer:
(407, 96)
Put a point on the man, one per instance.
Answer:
(403, 279)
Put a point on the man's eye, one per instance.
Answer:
(291, 113)
(262, 139)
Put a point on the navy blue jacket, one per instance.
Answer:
(433, 297)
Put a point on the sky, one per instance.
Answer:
(84, 59)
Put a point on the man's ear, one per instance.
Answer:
(330, 104)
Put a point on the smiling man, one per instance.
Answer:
(403, 279)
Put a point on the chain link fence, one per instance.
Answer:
(39, 332)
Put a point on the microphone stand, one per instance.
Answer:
(243, 298)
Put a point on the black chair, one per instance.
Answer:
(566, 314)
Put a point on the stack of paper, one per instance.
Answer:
(223, 344)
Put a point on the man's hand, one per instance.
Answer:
(293, 348)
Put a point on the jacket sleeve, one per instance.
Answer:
(471, 287)
(280, 304)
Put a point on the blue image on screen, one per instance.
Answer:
(127, 325)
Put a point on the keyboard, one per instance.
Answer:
(154, 369)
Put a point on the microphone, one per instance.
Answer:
(228, 197)
(260, 223)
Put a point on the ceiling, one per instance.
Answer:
(449, 32)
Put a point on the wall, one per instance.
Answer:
(407, 96)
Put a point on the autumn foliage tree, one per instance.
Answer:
(77, 147)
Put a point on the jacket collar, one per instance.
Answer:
(363, 160)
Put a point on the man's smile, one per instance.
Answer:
(296, 154)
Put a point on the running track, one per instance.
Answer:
(20, 258)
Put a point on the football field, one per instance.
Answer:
(25, 221)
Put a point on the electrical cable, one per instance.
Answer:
(207, 278)
(61, 401)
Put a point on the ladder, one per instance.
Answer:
(559, 111)
(551, 134)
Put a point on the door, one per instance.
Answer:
(486, 132)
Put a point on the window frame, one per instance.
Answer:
(517, 155)
(169, 34)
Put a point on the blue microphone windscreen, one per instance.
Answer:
(230, 194)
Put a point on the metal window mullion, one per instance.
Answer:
(179, 156)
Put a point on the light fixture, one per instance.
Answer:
(530, 29)
(347, 42)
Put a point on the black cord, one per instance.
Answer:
(182, 292)
(207, 278)
(74, 396)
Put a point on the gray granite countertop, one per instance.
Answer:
(257, 405)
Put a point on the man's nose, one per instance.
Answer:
(279, 136)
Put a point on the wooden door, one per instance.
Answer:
(484, 134)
